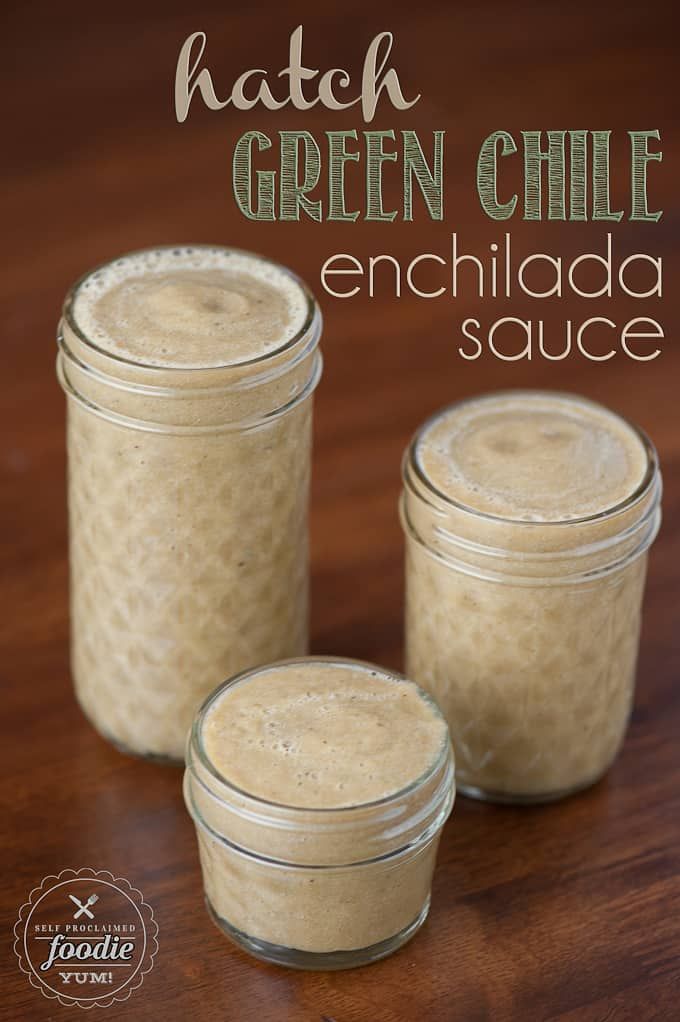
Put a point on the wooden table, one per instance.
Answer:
(571, 911)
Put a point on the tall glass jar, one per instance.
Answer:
(527, 631)
(307, 885)
(188, 493)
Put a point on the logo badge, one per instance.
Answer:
(86, 938)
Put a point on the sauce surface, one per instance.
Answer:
(322, 735)
(532, 457)
(189, 308)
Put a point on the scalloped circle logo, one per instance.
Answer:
(86, 938)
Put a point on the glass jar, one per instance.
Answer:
(188, 493)
(316, 888)
(526, 632)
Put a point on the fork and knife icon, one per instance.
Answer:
(84, 906)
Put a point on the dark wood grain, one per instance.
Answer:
(568, 912)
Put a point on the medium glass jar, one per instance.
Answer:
(189, 464)
(525, 624)
(334, 880)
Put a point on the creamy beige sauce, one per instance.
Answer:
(534, 457)
(318, 735)
(532, 660)
(189, 550)
(314, 736)
(190, 307)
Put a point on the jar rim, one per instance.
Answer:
(311, 322)
(195, 742)
(410, 463)
(411, 847)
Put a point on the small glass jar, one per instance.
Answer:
(526, 632)
(315, 888)
(188, 492)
